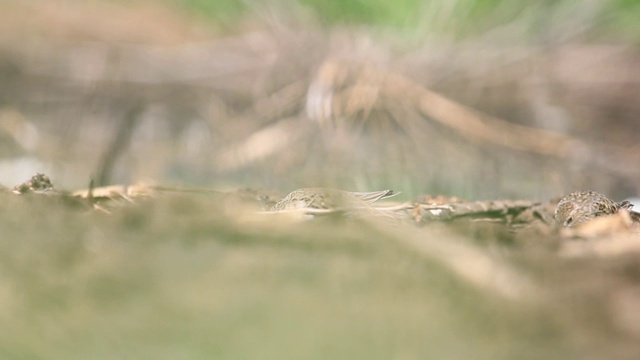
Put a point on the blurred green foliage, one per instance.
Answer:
(617, 18)
(374, 12)
(220, 10)
(624, 19)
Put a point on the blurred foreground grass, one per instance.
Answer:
(182, 278)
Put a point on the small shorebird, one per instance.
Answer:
(39, 183)
(330, 199)
(580, 207)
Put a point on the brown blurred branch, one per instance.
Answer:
(346, 93)
(471, 124)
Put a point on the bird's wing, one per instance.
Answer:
(373, 196)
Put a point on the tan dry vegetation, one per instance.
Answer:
(138, 22)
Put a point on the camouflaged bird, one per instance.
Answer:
(39, 184)
(329, 199)
(580, 207)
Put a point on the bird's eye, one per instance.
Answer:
(568, 221)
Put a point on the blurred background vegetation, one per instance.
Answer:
(614, 19)
(286, 94)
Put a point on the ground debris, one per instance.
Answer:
(311, 202)
(505, 210)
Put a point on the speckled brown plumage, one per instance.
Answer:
(39, 183)
(320, 198)
(580, 207)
